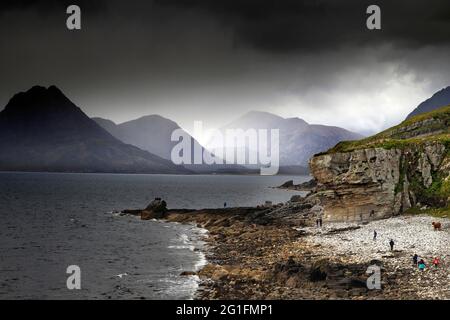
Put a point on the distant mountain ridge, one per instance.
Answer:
(299, 140)
(438, 100)
(42, 130)
(153, 133)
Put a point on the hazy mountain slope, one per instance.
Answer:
(153, 133)
(42, 130)
(298, 139)
(439, 99)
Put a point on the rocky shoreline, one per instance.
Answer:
(320, 246)
(306, 186)
(255, 255)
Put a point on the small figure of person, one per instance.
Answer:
(317, 223)
(320, 222)
(415, 259)
(224, 204)
(392, 243)
(436, 262)
(422, 265)
(375, 235)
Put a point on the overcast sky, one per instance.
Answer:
(215, 60)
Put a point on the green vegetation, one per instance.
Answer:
(440, 188)
(430, 126)
(434, 212)
(435, 195)
(399, 185)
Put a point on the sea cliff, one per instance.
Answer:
(404, 167)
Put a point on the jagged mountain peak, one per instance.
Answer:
(37, 95)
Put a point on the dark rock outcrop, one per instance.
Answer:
(157, 209)
(304, 186)
(288, 184)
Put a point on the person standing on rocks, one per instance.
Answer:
(375, 235)
(415, 259)
(422, 265)
(317, 211)
(392, 243)
(436, 262)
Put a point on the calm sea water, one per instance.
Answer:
(51, 221)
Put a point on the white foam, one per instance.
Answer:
(121, 275)
(184, 238)
(201, 262)
(181, 247)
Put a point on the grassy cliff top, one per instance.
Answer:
(430, 126)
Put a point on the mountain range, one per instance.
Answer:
(299, 140)
(153, 134)
(42, 130)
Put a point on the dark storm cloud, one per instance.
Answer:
(293, 25)
(50, 6)
(290, 25)
(214, 60)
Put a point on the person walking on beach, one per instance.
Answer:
(317, 223)
(224, 204)
(320, 222)
(415, 259)
(436, 262)
(375, 235)
(391, 243)
(422, 265)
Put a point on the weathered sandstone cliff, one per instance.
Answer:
(385, 175)
(376, 183)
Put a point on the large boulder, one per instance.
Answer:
(287, 184)
(319, 270)
(157, 209)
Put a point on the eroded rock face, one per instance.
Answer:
(373, 183)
